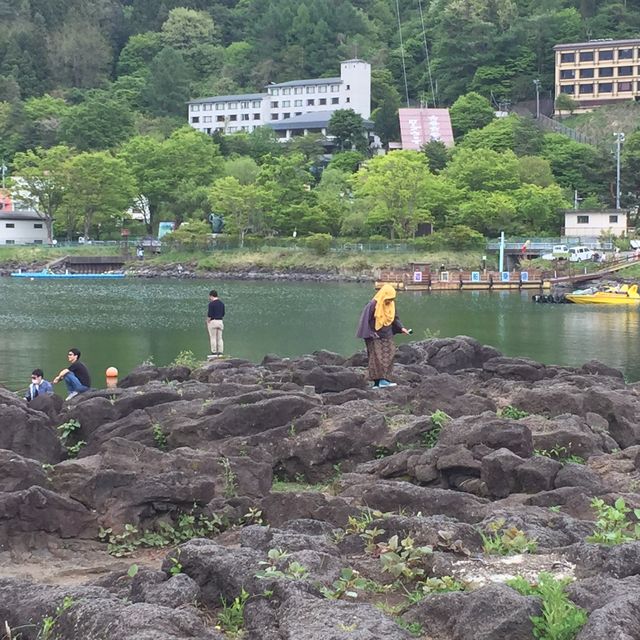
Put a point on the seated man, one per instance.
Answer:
(76, 375)
(39, 386)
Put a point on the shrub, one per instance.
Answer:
(612, 525)
(319, 243)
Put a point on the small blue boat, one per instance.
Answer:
(78, 276)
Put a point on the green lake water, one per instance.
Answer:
(124, 322)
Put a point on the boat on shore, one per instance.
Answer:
(32, 275)
(621, 295)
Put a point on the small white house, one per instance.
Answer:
(592, 223)
(22, 227)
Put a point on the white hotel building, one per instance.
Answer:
(290, 108)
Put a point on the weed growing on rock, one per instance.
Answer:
(359, 524)
(49, 622)
(560, 619)
(345, 585)
(414, 628)
(560, 453)
(159, 437)
(253, 516)
(512, 412)
(612, 525)
(447, 541)
(231, 618)
(433, 585)
(230, 478)
(438, 420)
(65, 431)
(293, 571)
(176, 567)
(402, 557)
(505, 541)
(369, 536)
(186, 359)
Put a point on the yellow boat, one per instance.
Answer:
(622, 295)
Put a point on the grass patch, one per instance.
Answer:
(282, 486)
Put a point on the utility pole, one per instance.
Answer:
(619, 140)
(575, 199)
(3, 168)
(536, 82)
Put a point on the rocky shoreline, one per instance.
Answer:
(288, 500)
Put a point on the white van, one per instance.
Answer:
(559, 252)
(580, 254)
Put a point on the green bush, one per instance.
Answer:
(319, 243)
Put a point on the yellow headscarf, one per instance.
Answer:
(385, 306)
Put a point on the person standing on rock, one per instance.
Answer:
(215, 324)
(378, 324)
(76, 376)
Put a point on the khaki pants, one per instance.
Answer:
(215, 328)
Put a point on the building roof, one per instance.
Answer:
(297, 83)
(241, 96)
(311, 120)
(596, 44)
(20, 214)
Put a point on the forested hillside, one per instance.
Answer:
(96, 89)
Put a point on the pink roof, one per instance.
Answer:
(419, 126)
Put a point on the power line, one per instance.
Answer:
(404, 68)
(426, 53)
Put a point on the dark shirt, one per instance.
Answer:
(367, 324)
(216, 310)
(81, 372)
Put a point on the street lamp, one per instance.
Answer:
(619, 140)
(536, 82)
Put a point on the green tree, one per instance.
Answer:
(347, 161)
(535, 170)
(394, 188)
(99, 187)
(168, 86)
(565, 102)
(484, 170)
(513, 132)
(45, 115)
(349, 131)
(470, 111)
(100, 122)
(334, 198)
(43, 180)
(243, 168)
(186, 28)
(136, 56)
(385, 100)
(437, 155)
(239, 204)
(540, 209)
(489, 213)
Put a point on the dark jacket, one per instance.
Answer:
(367, 324)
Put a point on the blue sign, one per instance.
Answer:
(524, 276)
(504, 276)
(417, 276)
(475, 276)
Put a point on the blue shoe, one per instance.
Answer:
(386, 384)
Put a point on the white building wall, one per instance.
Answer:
(22, 231)
(356, 86)
(598, 221)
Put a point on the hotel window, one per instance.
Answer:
(583, 219)
(586, 56)
(298, 90)
(322, 101)
(195, 107)
(310, 103)
(567, 57)
(233, 117)
(298, 113)
(322, 88)
(348, 87)
(219, 118)
(256, 104)
(220, 106)
(625, 71)
(274, 116)
(274, 105)
(606, 54)
(567, 88)
(311, 89)
(586, 73)
(256, 116)
(244, 104)
(605, 72)
(37, 242)
(10, 225)
(297, 103)
(286, 103)
(275, 92)
(625, 86)
(206, 119)
(348, 100)
(605, 87)
(567, 74)
(231, 129)
(335, 87)
(205, 107)
(335, 100)
(233, 105)
(286, 91)
(38, 225)
(244, 116)
(286, 115)
(613, 219)
(625, 54)
(195, 120)
(10, 242)
(586, 88)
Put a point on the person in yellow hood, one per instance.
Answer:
(378, 324)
